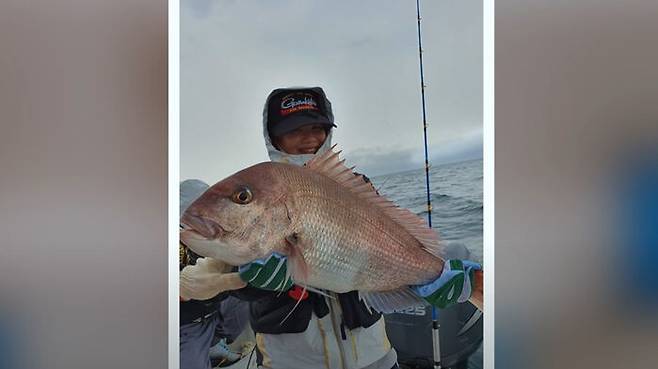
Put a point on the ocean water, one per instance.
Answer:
(456, 196)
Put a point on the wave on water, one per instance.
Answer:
(456, 196)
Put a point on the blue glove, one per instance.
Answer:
(454, 285)
(270, 273)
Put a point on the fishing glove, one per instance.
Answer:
(454, 285)
(270, 273)
(207, 278)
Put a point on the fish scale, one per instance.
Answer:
(352, 246)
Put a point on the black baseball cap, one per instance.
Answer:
(290, 109)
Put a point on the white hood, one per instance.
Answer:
(190, 190)
(282, 157)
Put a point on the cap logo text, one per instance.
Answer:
(294, 103)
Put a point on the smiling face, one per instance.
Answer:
(304, 140)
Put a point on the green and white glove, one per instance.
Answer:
(454, 285)
(270, 273)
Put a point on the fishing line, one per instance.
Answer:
(435, 323)
(382, 185)
(250, 355)
(301, 297)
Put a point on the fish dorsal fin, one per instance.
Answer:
(330, 165)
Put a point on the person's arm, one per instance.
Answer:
(270, 273)
(206, 279)
(460, 281)
(263, 278)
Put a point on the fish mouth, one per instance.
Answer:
(202, 226)
(219, 248)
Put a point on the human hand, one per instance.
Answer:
(207, 278)
(270, 273)
(454, 285)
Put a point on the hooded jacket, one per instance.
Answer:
(282, 157)
(336, 332)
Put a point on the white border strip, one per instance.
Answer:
(489, 172)
(488, 185)
(173, 126)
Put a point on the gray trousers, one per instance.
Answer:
(196, 338)
(195, 341)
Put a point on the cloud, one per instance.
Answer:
(377, 161)
(198, 8)
(467, 147)
(233, 53)
(385, 160)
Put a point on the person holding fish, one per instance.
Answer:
(322, 252)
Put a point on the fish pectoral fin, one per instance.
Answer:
(390, 301)
(293, 239)
(297, 265)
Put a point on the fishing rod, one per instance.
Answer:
(435, 323)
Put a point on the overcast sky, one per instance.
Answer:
(365, 56)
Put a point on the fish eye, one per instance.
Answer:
(242, 196)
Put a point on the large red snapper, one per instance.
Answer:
(337, 232)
